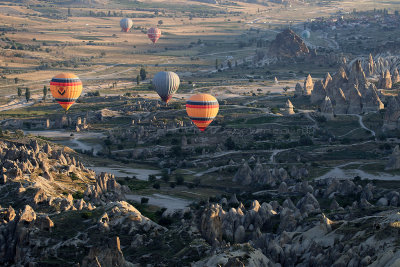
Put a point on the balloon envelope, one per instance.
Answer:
(66, 88)
(202, 110)
(126, 24)
(154, 34)
(306, 34)
(166, 84)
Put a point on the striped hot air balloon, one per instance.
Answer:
(154, 34)
(202, 109)
(166, 84)
(126, 24)
(66, 88)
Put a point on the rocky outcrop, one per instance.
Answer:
(394, 160)
(385, 81)
(289, 108)
(105, 188)
(318, 94)
(16, 233)
(236, 257)
(392, 114)
(341, 104)
(109, 254)
(327, 108)
(243, 175)
(288, 45)
(298, 90)
(308, 85)
(371, 66)
(371, 100)
(355, 101)
(211, 225)
(395, 76)
(351, 94)
(357, 75)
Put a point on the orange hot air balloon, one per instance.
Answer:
(66, 88)
(202, 109)
(154, 34)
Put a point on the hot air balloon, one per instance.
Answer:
(202, 109)
(154, 34)
(166, 84)
(126, 24)
(306, 34)
(66, 88)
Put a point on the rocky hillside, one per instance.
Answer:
(55, 212)
(287, 45)
(328, 223)
(349, 91)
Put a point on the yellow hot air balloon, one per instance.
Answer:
(66, 88)
(202, 109)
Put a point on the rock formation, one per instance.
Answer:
(385, 81)
(355, 101)
(351, 94)
(289, 108)
(308, 85)
(392, 114)
(298, 89)
(327, 108)
(288, 45)
(395, 76)
(394, 160)
(318, 93)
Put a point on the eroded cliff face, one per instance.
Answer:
(296, 229)
(84, 219)
(52, 207)
(349, 93)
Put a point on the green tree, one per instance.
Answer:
(44, 92)
(165, 176)
(19, 91)
(230, 144)
(69, 12)
(216, 63)
(108, 144)
(27, 94)
(143, 73)
(138, 79)
(160, 22)
(229, 64)
(305, 141)
(16, 80)
(152, 178)
(179, 179)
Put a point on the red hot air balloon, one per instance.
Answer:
(154, 34)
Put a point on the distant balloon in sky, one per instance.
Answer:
(126, 24)
(202, 110)
(166, 84)
(306, 34)
(66, 88)
(154, 34)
